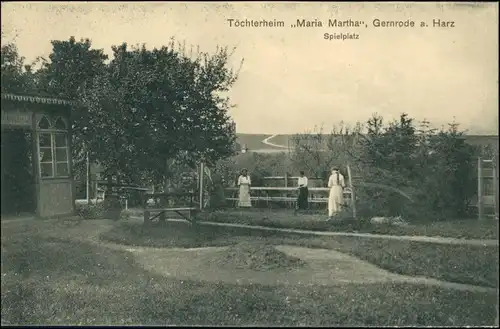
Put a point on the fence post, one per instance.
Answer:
(202, 169)
(480, 205)
(87, 185)
(496, 320)
(96, 189)
(495, 185)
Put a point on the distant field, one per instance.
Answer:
(254, 141)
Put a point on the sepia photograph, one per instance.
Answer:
(254, 163)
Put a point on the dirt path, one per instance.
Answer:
(267, 142)
(325, 267)
(439, 240)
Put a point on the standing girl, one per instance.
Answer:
(303, 195)
(336, 185)
(244, 183)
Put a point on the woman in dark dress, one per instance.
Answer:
(303, 195)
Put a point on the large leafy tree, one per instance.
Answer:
(150, 107)
(436, 169)
(388, 163)
(391, 148)
(449, 179)
(17, 76)
(141, 110)
(71, 66)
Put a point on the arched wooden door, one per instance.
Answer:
(53, 153)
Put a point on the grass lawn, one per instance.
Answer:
(468, 229)
(477, 265)
(48, 280)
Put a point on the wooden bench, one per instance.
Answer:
(187, 212)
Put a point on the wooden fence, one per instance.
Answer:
(290, 181)
(287, 196)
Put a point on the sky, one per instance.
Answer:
(292, 79)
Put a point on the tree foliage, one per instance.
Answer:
(71, 67)
(161, 105)
(141, 110)
(449, 179)
(16, 74)
(401, 168)
(317, 152)
(435, 168)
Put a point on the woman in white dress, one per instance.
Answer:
(336, 185)
(244, 183)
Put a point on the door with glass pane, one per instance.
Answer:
(55, 188)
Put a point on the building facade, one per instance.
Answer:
(36, 156)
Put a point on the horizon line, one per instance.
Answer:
(327, 133)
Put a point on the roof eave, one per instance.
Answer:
(37, 99)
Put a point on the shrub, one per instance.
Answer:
(425, 174)
(91, 211)
(403, 170)
(98, 211)
(126, 214)
(450, 180)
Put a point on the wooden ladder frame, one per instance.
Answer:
(480, 187)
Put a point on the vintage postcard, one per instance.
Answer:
(249, 163)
